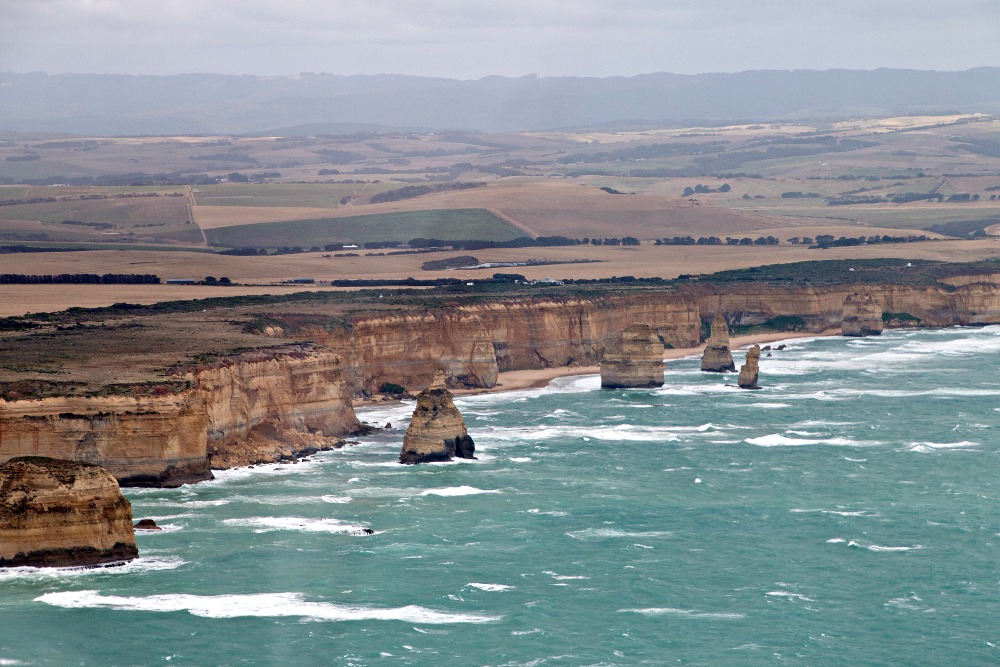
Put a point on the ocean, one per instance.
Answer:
(846, 513)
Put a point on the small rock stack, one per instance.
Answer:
(635, 360)
(750, 370)
(717, 357)
(437, 431)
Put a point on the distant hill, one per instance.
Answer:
(211, 103)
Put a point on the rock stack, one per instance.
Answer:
(634, 360)
(437, 431)
(56, 513)
(862, 315)
(717, 357)
(750, 370)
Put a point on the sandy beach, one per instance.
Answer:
(535, 378)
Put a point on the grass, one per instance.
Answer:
(120, 212)
(280, 195)
(456, 224)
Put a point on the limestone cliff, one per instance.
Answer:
(862, 315)
(249, 408)
(751, 369)
(142, 441)
(266, 405)
(717, 357)
(634, 360)
(437, 431)
(57, 513)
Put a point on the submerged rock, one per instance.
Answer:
(862, 315)
(56, 513)
(437, 431)
(717, 357)
(634, 360)
(750, 370)
(146, 524)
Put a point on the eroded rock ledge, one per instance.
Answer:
(56, 513)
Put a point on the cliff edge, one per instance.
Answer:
(56, 513)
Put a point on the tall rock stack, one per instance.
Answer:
(56, 513)
(634, 360)
(862, 315)
(751, 369)
(437, 431)
(717, 357)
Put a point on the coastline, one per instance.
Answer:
(536, 378)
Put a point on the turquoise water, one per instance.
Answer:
(845, 514)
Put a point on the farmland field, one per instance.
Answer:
(455, 224)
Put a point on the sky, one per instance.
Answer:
(470, 39)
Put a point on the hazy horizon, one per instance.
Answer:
(469, 40)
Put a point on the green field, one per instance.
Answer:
(125, 213)
(451, 224)
(315, 195)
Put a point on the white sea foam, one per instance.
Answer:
(520, 459)
(929, 447)
(336, 499)
(836, 540)
(162, 528)
(135, 566)
(457, 491)
(837, 512)
(689, 613)
(264, 605)
(266, 524)
(604, 533)
(549, 513)
(879, 548)
(779, 440)
(789, 595)
(564, 577)
(493, 588)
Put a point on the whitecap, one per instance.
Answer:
(135, 566)
(564, 577)
(336, 499)
(779, 440)
(263, 605)
(266, 524)
(689, 613)
(789, 595)
(490, 587)
(520, 459)
(929, 447)
(457, 491)
(836, 540)
(879, 548)
(602, 533)
(836, 512)
(161, 528)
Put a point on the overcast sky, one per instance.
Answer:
(469, 39)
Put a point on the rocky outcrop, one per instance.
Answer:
(437, 431)
(634, 360)
(862, 315)
(717, 357)
(751, 369)
(56, 513)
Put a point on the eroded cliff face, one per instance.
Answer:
(142, 441)
(862, 315)
(266, 406)
(257, 407)
(59, 513)
(750, 370)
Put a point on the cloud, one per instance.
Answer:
(473, 38)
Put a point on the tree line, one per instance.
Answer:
(80, 279)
